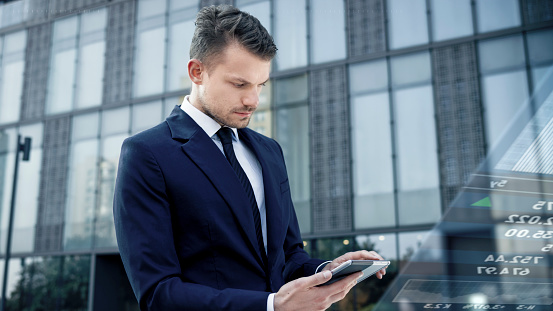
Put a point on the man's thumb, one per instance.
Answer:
(319, 278)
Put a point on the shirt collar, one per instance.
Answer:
(207, 124)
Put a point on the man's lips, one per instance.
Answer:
(244, 113)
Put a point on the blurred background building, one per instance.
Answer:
(383, 109)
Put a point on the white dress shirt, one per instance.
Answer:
(245, 157)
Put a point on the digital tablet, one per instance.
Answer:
(369, 267)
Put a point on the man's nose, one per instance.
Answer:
(251, 98)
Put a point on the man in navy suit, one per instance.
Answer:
(187, 234)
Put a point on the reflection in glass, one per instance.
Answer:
(497, 14)
(104, 227)
(408, 23)
(292, 134)
(12, 66)
(448, 13)
(48, 283)
(328, 39)
(291, 90)
(81, 185)
(27, 196)
(411, 69)
(290, 33)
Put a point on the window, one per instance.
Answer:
(290, 33)
(163, 41)
(145, 116)
(415, 140)
(292, 132)
(328, 39)
(373, 183)
(448, 13)
(82, 182)
(408, 23)
(12, 67)
(77, 62)
(497, 14)
(114, 129)
(540, 45)
(504, 83)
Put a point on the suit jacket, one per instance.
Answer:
(184, 224)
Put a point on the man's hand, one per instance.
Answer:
(359, 255)
(302, 294)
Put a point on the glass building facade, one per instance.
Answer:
(383, 109)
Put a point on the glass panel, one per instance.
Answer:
(27, 197)
(328, 40)
(504, 95)
(91, 59)
(150, 59)
(115, 121)
(292, 134)
(410, 69)
(497, 14)
(290, 33)
(261, 9)
(493, 55)
(149, 8)
(408, 24)
(8, 139)
(11, 87)
(144, 116)
(180, 36)
(291, 90)
(417, 159)
(181, 4)
(367, 77)
(12, 68)
(105, 229)
(16, 283)
(85, 126)
(448, 13)
(81, 194)
(372, 162)
(540, 45)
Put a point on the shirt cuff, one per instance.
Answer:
(271, 302)
(322, 265)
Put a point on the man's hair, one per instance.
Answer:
(219, 26)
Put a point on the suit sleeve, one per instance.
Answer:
(142, 219)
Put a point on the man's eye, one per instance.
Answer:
(262, 84)
(239, 85)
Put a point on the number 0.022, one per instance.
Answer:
(528, 219)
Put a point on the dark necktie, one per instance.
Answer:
(225, 134)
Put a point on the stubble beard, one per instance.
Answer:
(220, 119)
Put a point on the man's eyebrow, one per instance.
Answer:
(242, 80)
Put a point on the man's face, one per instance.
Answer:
(229, 91)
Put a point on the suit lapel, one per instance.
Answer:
(268, 161)
(206, 155)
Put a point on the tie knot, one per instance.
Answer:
(225, 135)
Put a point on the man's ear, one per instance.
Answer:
(195, 71)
